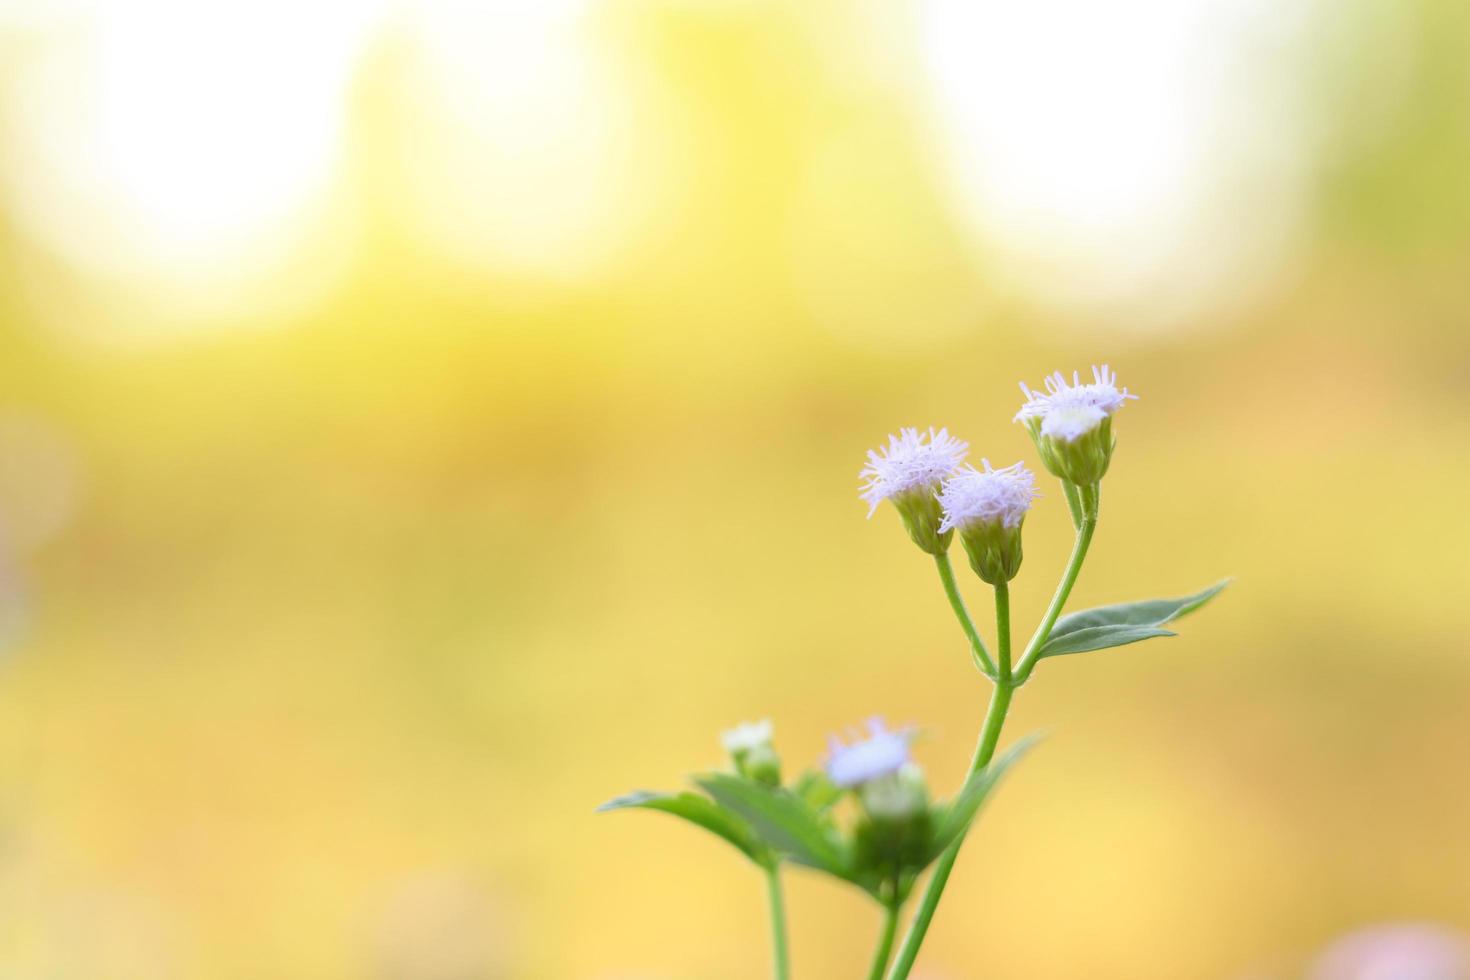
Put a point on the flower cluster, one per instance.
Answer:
(891, 831)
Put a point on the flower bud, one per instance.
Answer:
(1075, 443)
(1071, 424)
(988, 509)
(909, 473)
(751, 752)
(920, 513)
(893, 836)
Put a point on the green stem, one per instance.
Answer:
(1000, 700)
(1073, 504)
(978, 653)
(885, 942)
(1003, 630)
(1089, 500)
(781, 958)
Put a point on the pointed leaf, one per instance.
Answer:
(1099, 638)
(1149, 612)
(951, 823)
(697, 810)
(781, 819)
(1127, 622)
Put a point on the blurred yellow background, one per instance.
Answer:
(420, 423)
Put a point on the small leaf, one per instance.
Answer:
(699, 811)
(1127, 622)
(782, 820)
(954, 819)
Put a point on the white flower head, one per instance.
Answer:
(911, 461)
(882, 753)
(746, 736)
(1069, 411)
(988, 496)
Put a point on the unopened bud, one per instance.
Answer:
(751, 752)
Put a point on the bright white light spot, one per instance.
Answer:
(1130, 152)
(520, 146)
(181, 149)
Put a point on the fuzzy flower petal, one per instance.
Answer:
(1086, 403)
(746, 736)
(882, 753)
(992, 495)
(911, 461)
(1071, 422)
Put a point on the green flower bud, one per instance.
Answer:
(750, 750)
(921, 515)
(761, 764)
(1075, 444)
(893, 835)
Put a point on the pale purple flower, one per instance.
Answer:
(1070, 411)
(882, 753)
(1396, 952)
(992, 495)
(911, 461)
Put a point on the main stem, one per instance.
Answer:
(978, 652)
(781, 957)
(885, 942)
(995, 718)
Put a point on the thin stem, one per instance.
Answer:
(1089, 500)
(995, 716)
(781, 958)
(1073, 504)
(978, 653)
(1003, 631)
(885, 942)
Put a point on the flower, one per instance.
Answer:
(909, 473)
(746, 736)
(988, 508)
(995, 496)
(1073, 409)
(882, 753)
(1071, 424)
(1411, 951)
(909, 463)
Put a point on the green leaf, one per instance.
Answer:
(952, 821)
(699, 811)
(1127, 622)
(782, 820)
(1099, 638)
